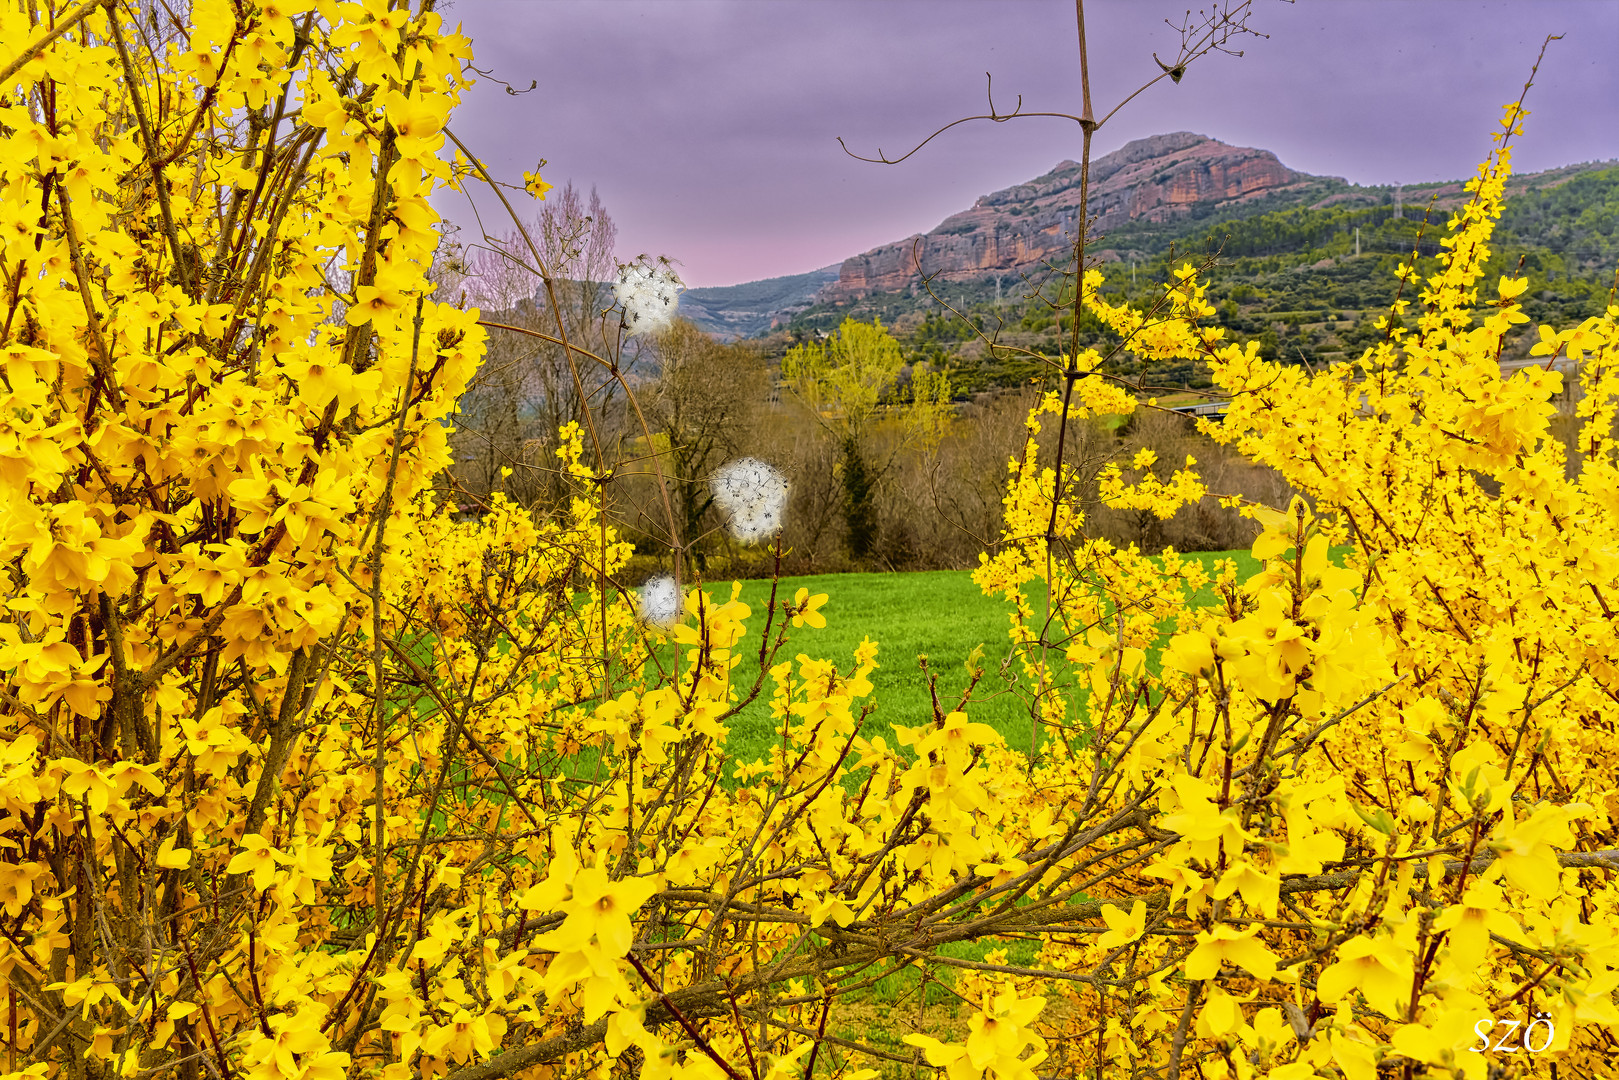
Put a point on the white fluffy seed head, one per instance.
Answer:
(649, 293)
(753, 495)
(660, 602)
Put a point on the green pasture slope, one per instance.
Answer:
(940, 614)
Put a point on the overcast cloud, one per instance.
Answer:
(710, 126)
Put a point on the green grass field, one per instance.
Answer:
(940, 614)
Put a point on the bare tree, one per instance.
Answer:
(526, 391)
(704, 403)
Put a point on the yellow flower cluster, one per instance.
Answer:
(1384, 781)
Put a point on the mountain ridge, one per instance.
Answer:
(1144, 194)
(1022, 228)
(753, 307)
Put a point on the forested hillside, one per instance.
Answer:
(1289, 277)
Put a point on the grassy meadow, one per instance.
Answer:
(938, 614)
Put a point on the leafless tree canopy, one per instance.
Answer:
(525, 390)
(705, 401)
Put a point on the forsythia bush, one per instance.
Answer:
(301, 778)
(1367, 806)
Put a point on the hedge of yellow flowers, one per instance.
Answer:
(1383, 788)
(301, 777)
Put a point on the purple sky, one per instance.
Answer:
(709, 126)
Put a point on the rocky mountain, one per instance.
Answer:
(1175, 190)
(1157, 179)
(1306, 277)
(1145, 193)
(733, 311)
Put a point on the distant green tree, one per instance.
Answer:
(849, 383)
